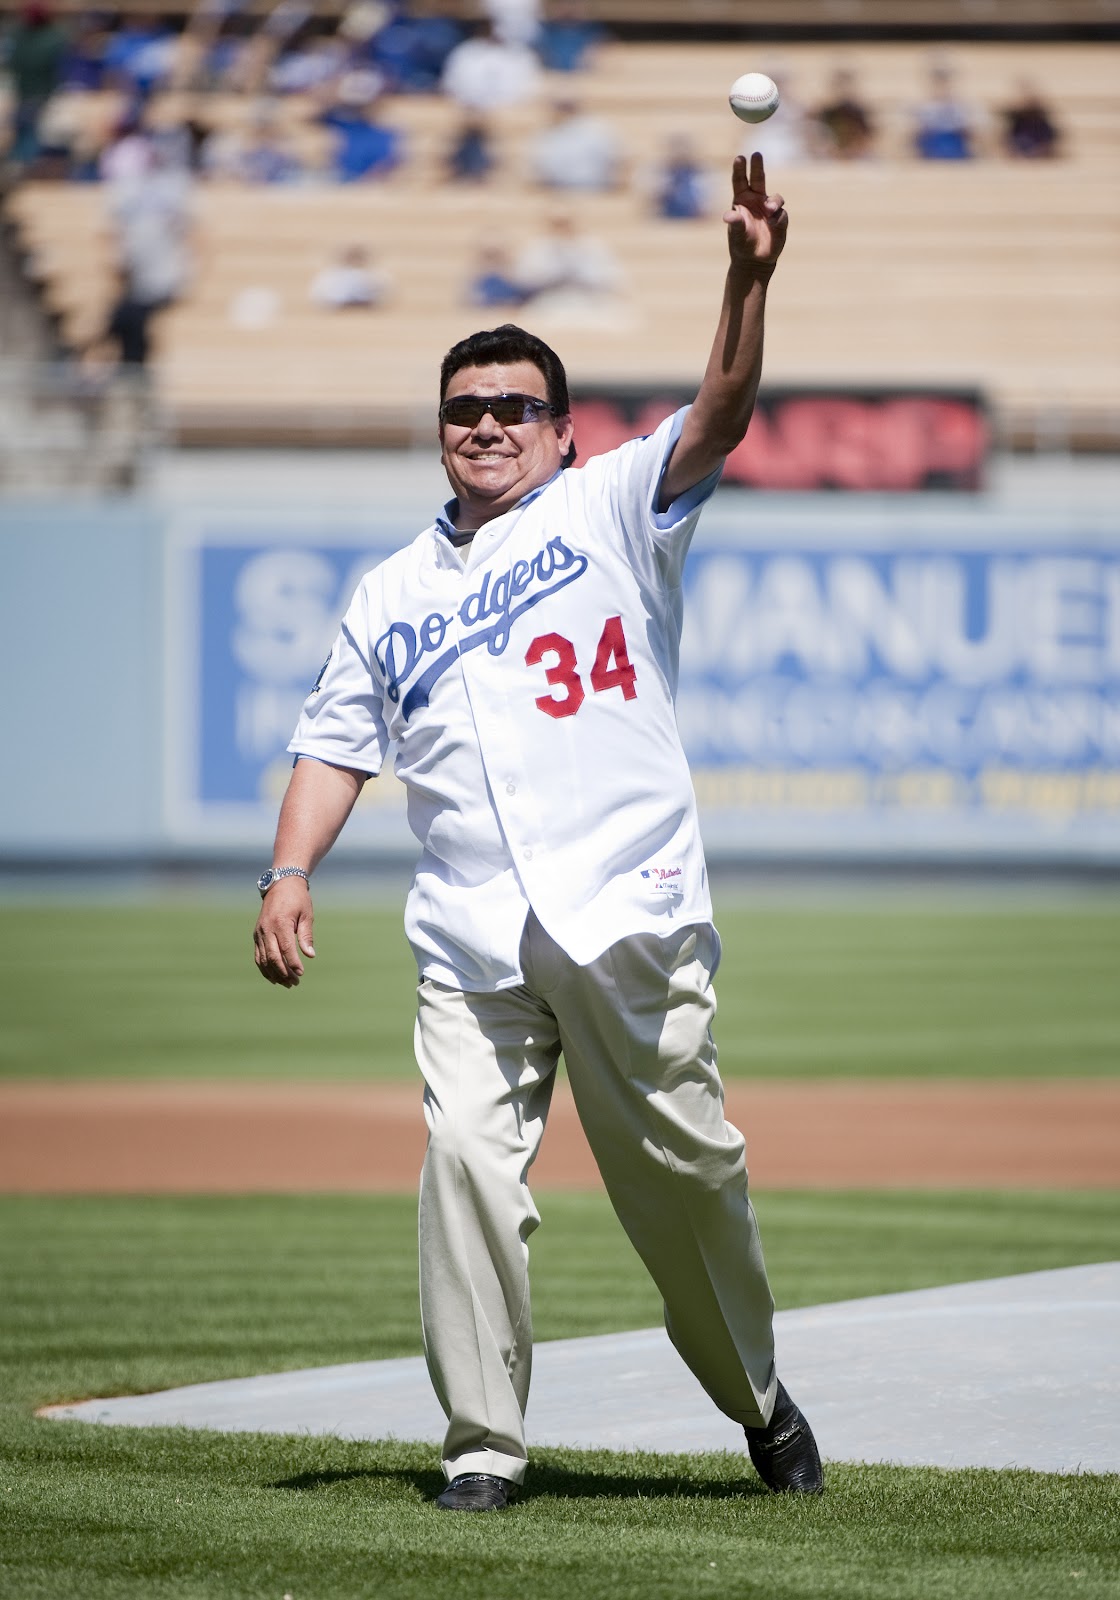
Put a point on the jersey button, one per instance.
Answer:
(511, 788)
(527, 854)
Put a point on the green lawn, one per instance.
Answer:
(1025, 990)
(103, 1296)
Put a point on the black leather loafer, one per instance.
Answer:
(784, 1453)
(476, 1491)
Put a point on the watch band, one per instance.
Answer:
(267, 879)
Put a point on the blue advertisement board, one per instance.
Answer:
(251, 607)
(933, 698)
(847, 698)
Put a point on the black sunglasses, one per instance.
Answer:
(508, 410)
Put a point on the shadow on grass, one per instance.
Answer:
(562, 1483)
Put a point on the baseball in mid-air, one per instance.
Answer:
(754, 97)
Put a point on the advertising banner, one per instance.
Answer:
(854, 439)
(920, 700)
(252, 606)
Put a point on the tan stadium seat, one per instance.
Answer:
(992, 273)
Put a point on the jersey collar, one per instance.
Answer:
(445, 522)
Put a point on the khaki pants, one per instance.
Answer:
(634, 1027)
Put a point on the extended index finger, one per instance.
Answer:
(757, 178)
(740, 183)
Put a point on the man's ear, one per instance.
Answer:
(565, 430)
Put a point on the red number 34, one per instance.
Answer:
(610, 670)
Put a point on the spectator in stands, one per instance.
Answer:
(565, 269)
(471, 156)
(360, 86)
(309, 66)
(843, 122)
(34, 55)
(246, 65)
(350, 282)
(127, 329)
(129, 154)
(152, 217)
(945, 130)
(412, 51)
(483, 74)
(259, 152)
(514, 21)
(494, 283)
(363, 20)
(191, 134)
(140, 54)
(568, 38)
(364, 148)
(267, 158)
(681, 186)
(1029, 132)
(576, 152)
(84, 63)
(176, 132)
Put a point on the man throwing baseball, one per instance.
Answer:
(522, 653)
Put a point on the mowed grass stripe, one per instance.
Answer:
(105, 1296)
(134, 1294)
(1020, 991)
(1063, 1044)
(170, 991)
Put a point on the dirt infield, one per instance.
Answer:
(193, 1138)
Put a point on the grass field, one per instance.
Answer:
(1025, 990)
(105, 1296)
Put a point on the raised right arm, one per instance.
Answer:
(318, 801)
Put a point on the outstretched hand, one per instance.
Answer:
(756, 222)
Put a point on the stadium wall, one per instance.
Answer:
(876, 677)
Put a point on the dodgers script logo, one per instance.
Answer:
(491, 611)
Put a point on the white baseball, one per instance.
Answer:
(753, 97)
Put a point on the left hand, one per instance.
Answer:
(756, 222)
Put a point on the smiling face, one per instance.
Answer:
(490, 467)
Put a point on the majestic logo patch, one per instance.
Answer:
(490, 612)
(665, 880)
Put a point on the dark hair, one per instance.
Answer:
(502, 347)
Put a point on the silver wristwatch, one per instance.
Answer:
(267, 879)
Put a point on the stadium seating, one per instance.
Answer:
(992, 273)
(935, 15)
(825, 14)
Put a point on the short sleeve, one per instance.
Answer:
(631, 481)
(343, 720)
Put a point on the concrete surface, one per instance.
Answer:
(1007, 1372)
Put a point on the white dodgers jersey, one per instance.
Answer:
(529, 690)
